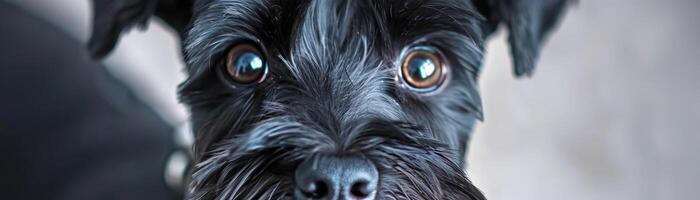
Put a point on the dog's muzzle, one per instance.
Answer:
(336, 178)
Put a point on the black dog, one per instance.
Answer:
(333, 99)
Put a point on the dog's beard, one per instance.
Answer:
(257, 164)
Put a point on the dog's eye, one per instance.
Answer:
(245, 65)
(422, 70)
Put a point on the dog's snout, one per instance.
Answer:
(336, 178)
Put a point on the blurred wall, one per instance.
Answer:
(612, 111)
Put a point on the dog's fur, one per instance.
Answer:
(332, 87)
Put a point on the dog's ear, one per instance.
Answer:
(112, 17)
(528, 23)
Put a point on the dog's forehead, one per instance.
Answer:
(282, 26)
(337, 22)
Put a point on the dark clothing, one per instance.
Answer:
(68, 129)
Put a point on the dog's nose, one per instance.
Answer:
(336, 178)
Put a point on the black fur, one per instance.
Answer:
(332, 88)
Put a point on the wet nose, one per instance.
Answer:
(336, 178)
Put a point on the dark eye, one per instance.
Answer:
(422, 70)
(245, 65)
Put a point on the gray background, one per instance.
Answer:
(611, 112)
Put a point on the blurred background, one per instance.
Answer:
(612, 111)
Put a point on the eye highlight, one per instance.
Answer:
(245, 65)
(422, 70)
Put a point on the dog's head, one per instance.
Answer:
(333, 99)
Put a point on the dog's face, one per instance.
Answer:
(336, 99)
(276, 84)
